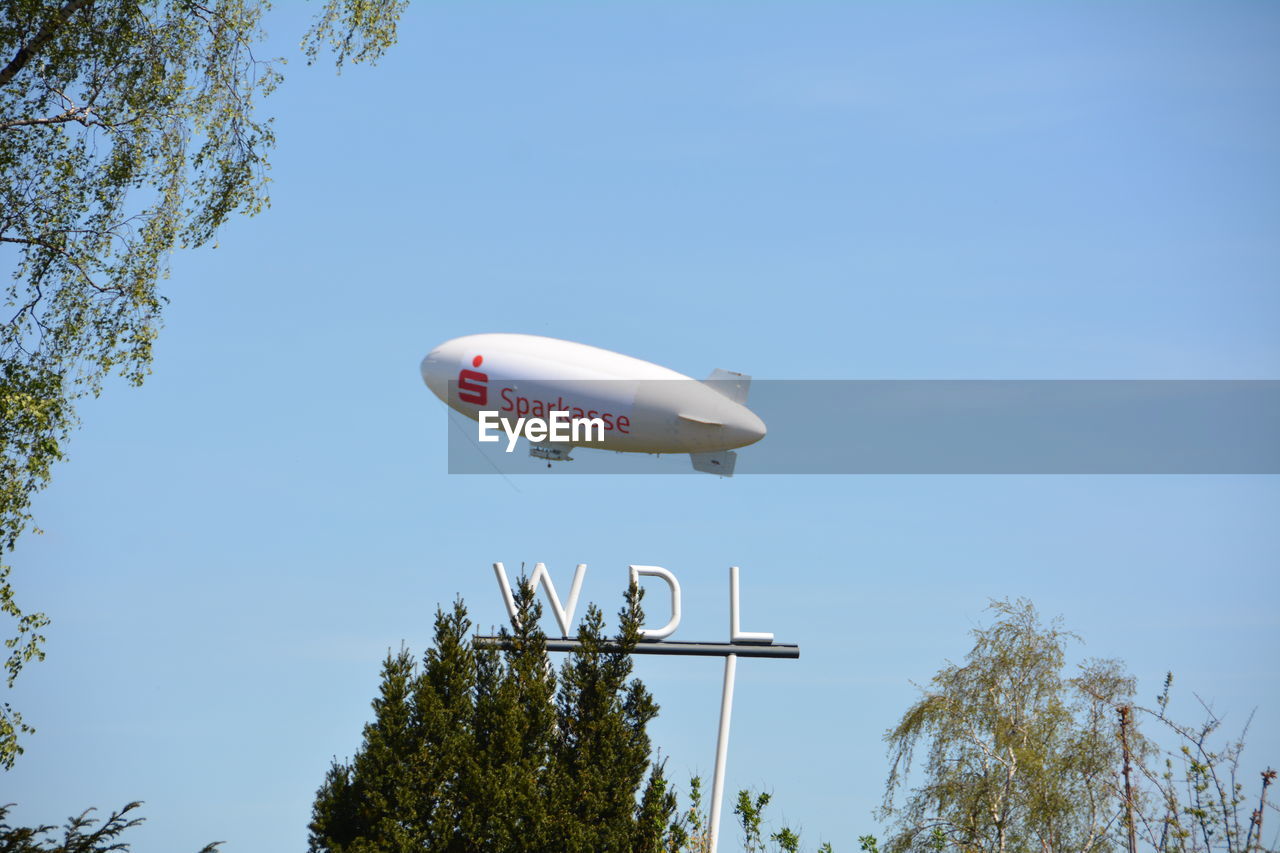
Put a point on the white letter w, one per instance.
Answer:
(564, 615)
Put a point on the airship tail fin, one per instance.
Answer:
(721, 462)
(733, 385)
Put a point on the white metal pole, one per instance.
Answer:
(722, 747)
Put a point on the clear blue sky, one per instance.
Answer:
(818, 190)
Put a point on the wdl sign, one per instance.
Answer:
(654, 641)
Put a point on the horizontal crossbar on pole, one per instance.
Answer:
(661, 647)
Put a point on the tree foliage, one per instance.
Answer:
(1018, 757)
(80, 834)
(750, 812)
(128, 128)
(486, 750)
(479, 750)
(1191, 797)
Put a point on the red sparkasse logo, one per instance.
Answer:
(473, 386)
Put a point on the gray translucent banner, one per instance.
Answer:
(955, 427)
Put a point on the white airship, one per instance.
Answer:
(645, 408)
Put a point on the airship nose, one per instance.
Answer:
(436, 369)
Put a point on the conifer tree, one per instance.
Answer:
(602, 750)
(515, 725)
(357, 801)
(443, 761)
(80, 834)
(479, 751)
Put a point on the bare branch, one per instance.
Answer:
(77, 114)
